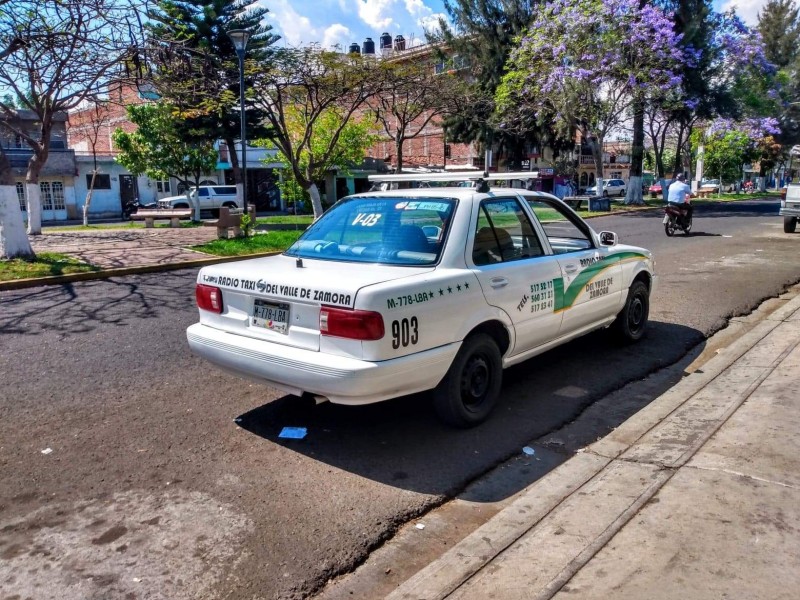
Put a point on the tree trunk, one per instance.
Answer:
(33, 204)
(316, 201)
(13, 241)
(633, 194)
(88, 202)
(398, 149)
(596, 146)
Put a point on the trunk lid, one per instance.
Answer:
(274, 299)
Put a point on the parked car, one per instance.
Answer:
(611, 187)
(790, 207)
(396, 292)
(710, 185)
(655, 190)
(212, 197)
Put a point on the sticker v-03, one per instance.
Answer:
(564, 299)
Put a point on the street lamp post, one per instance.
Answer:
(239, 38)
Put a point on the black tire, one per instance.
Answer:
(469, 391)
(789, 224)
(669, 228)
(687, 228)
(632, 320)
(605, 193)
(181, 205)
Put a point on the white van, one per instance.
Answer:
(212, 197)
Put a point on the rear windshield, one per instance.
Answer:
(394, 231)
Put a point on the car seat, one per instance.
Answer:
(409, 238)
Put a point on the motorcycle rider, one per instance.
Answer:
(679, 194)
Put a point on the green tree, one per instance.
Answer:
(196, 66)
(481, 37)
(725, 151)
(779, 27)
(311, 84)
(159, 149)
(323, 153)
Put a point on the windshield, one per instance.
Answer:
(394, 231)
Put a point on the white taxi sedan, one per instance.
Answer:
(400, 291)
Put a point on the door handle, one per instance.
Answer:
(498, 282)
(570, 269)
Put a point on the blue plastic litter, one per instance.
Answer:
(293, 433)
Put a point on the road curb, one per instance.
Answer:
(477, 550)
(18, 284)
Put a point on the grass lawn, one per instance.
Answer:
(274, 241)
(45, 264)
(286, 219)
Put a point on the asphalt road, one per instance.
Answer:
(131, 469)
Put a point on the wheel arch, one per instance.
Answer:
(497, 331)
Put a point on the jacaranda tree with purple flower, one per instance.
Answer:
(583, 63)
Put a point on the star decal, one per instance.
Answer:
(449, 290)
(466, 285)
(458, 287)
(431, 293)
(441, 292)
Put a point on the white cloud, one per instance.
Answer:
(376, 13)
(295, 29)
(430, 23)
(416, 8)
(336, 35)
(746, 9)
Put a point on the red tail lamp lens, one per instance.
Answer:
(209, 298)
(348, 323)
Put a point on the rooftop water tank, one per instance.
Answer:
(399, 43)
(368, 47)
(354, 48)
(386, 43)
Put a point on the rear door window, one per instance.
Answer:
(503, 233)
(565, 231)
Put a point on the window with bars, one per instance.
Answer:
(21, 196)
(52, 195)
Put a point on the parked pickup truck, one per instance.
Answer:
(212, 197)
(790, 207)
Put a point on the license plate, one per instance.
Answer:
(271, 315)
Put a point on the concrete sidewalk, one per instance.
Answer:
(696, 496)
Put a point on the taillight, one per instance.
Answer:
(348, 323)
(208, 298)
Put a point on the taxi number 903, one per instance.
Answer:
(405, 332)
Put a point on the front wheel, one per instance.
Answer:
(687, 227)
(632, 319)
(469, 391)
(789, 224)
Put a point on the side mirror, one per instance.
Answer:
(608, 238)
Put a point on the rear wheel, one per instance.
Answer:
(789, 224)
(469, 391)
(669, 227)
(632, 320)
(687, 227)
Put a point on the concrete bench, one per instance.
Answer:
(230, 219)
(703, 193)
(174, 215)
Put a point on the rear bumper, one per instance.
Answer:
(789, 211)
(340, 379)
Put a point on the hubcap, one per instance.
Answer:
(475, 381)
(636, 314)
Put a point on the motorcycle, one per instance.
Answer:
(676, 218)
(131, 206)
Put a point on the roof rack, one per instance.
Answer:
(481, 179)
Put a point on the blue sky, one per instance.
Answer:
(330, 22)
